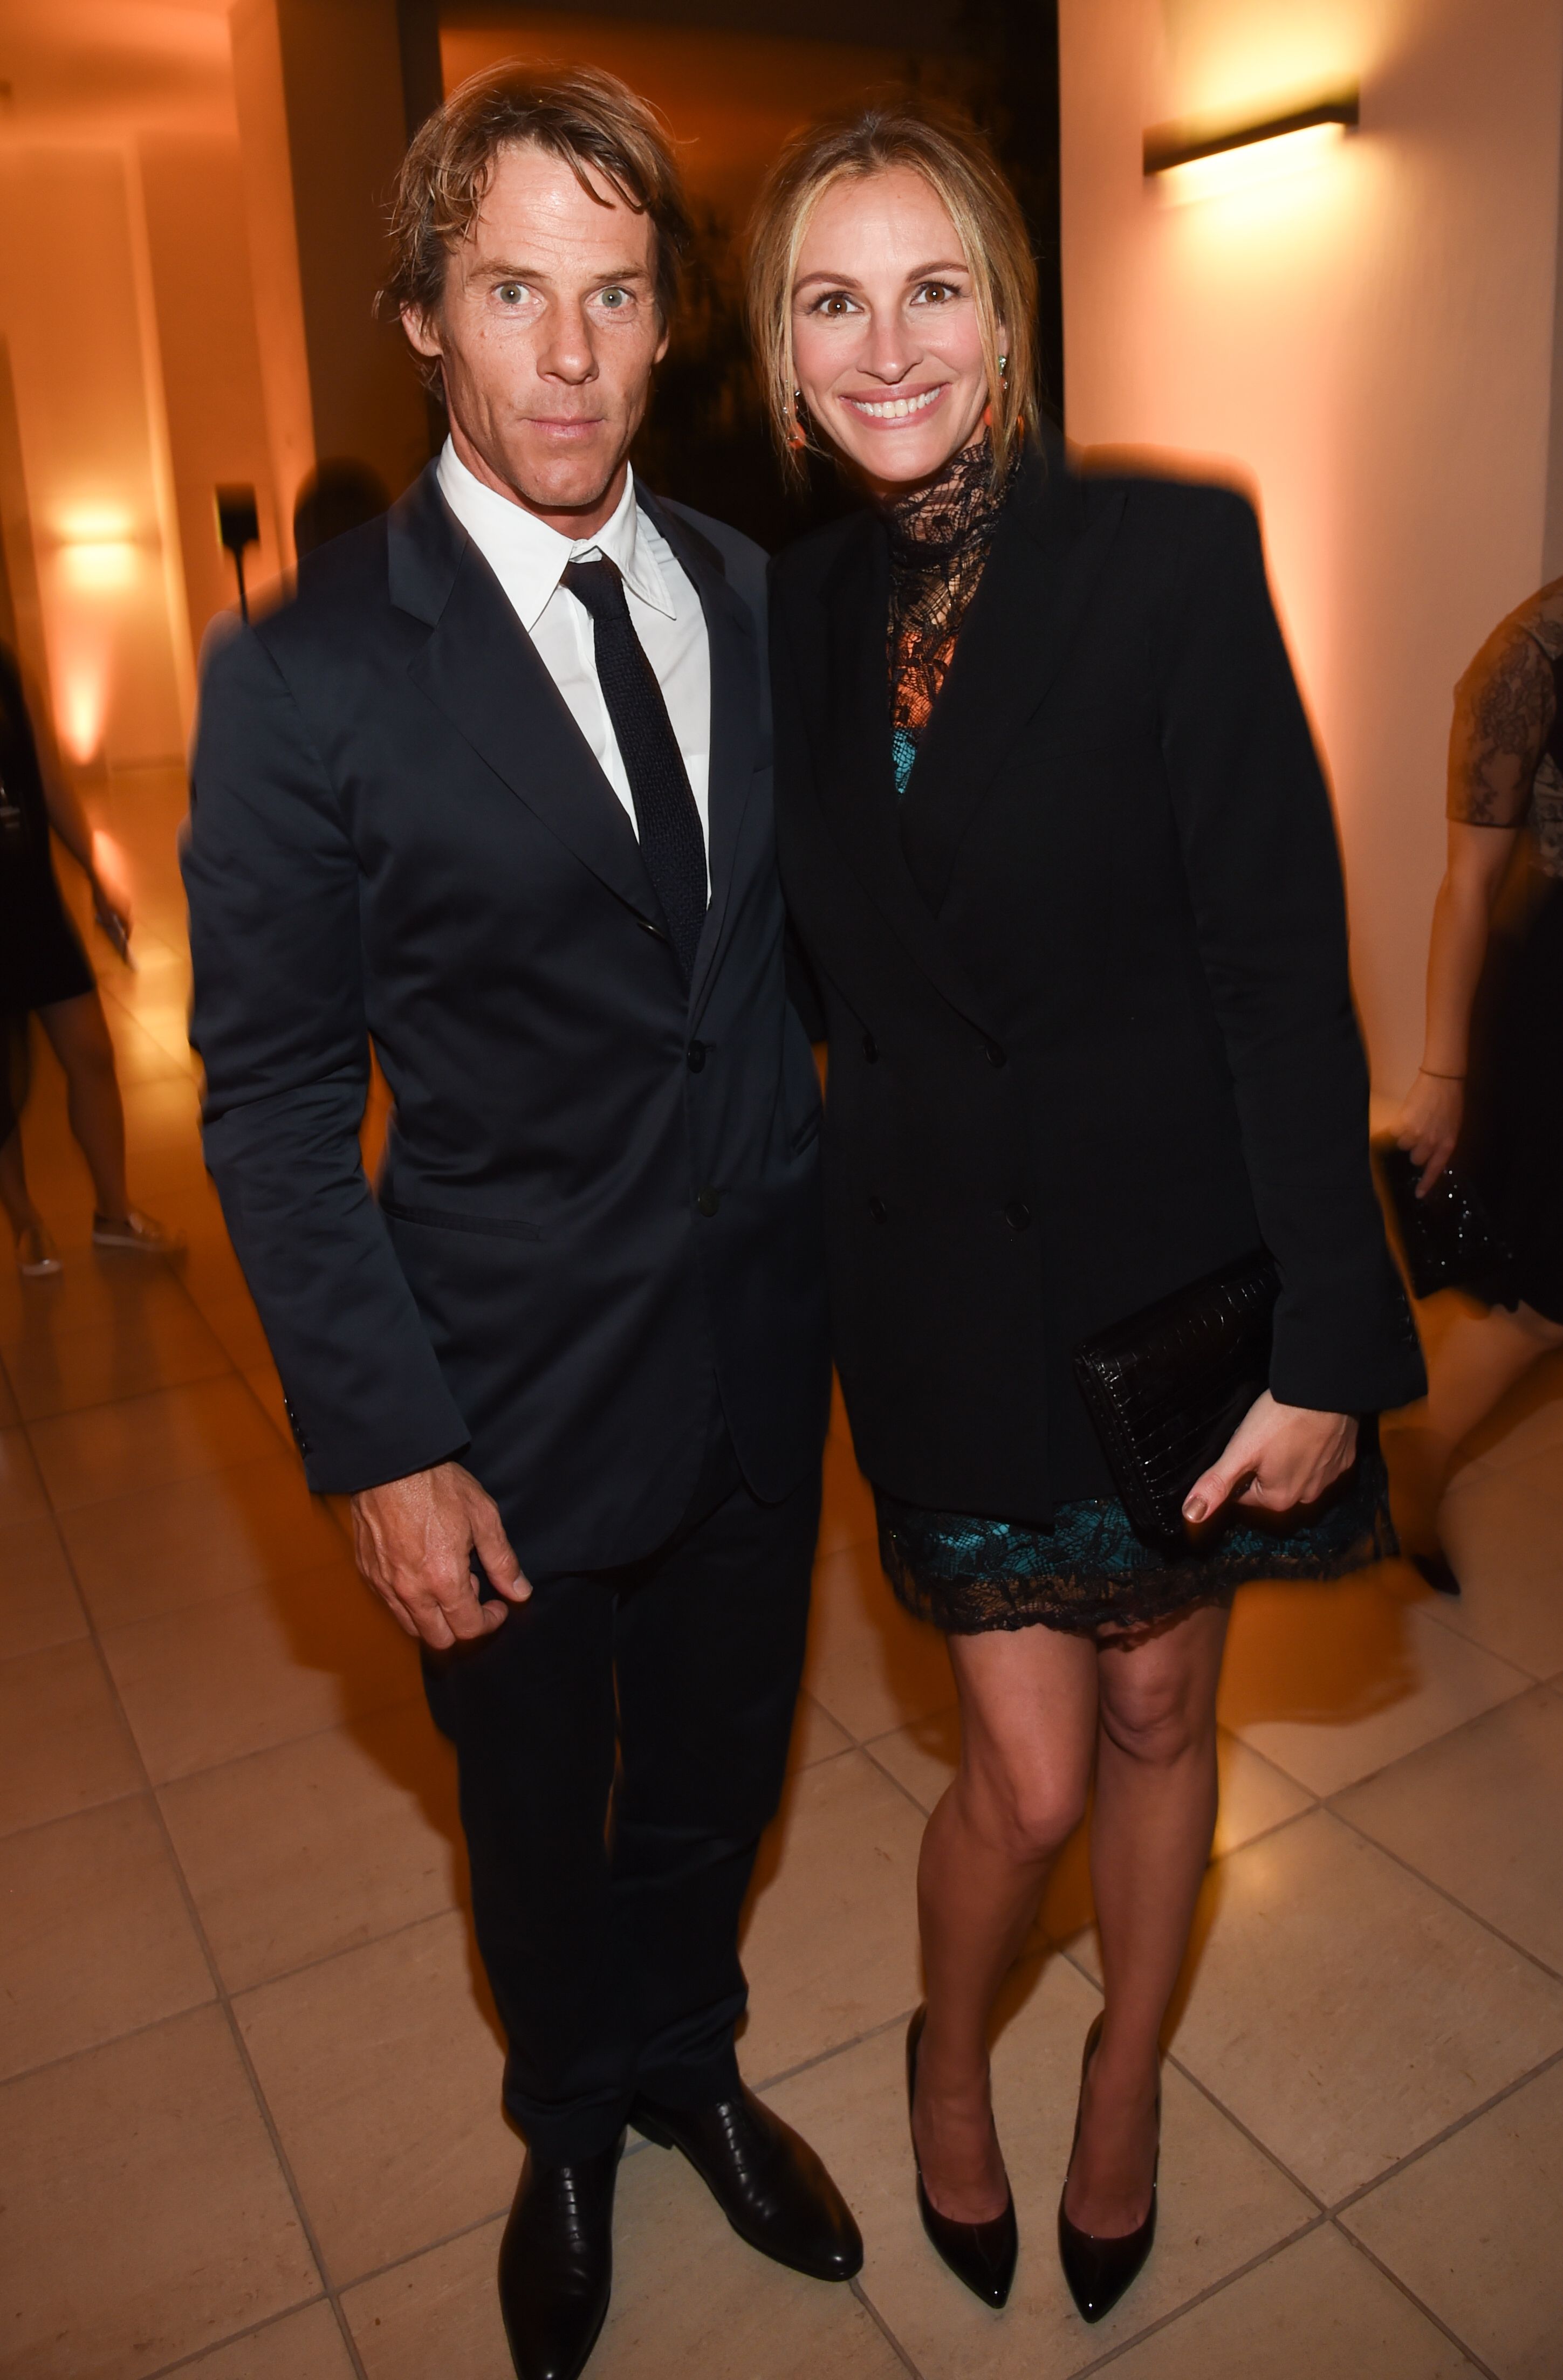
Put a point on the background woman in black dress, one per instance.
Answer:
(1055, 845)
(1489, 1093)
(45, 972)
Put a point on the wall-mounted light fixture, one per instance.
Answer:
(1201, 165)
(98, 549)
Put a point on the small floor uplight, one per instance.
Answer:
(1189, 166)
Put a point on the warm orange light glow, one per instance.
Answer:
(1247, 168)
(100, 563)
(80, 721)
(98, 548)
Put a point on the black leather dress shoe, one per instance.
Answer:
(982, 2254)
(555, 2264)
(1098, 2270)
(768, 2182)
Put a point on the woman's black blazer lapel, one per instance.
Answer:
(843, 670)
(1050, 547)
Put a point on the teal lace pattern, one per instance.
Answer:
(1091, 1573)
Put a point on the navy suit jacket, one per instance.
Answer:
(600, 1186)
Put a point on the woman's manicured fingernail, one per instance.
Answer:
(1193, 1510)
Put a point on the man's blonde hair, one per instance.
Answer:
(960, 169)
(592, 121)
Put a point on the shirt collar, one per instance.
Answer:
(528, 558)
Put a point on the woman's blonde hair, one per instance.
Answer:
(960, 169)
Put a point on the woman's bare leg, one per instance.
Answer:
(1027, 1724)
(78, 1030)
(1150, 1833)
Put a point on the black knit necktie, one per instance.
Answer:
(671, 841)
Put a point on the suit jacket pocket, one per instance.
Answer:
(446, 1218)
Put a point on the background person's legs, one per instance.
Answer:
(78, 1030)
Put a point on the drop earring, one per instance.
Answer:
(798, 437)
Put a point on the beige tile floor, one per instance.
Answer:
(248, 2067)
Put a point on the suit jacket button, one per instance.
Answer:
(696, 1056)
(871, 1048)
(708, 1200)
(1017, 1215)
(878, 1210)
(995, 1055)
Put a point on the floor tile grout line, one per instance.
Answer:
(1437, 1608)
(865, 2301)
(1202, 2297)
(224, 2003)
(431, 2247)
(109, 2040)
(1393, 2278)
(1408, 1867)
(236, 2337)
(838, 2049)
(1353, 2198)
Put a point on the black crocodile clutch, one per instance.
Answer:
(1168, 1387)
(1449, 1239)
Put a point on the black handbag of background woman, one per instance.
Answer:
(1447, 1238)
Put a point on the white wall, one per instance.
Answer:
(90, 431)
(1367, 345)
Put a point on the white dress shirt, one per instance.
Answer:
(528, 558)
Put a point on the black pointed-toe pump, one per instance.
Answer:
(1099, 2270)
(980, 2254)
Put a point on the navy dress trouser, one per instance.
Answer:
(621, 1742)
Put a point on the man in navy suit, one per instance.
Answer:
(493, 793)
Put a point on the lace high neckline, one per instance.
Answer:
(940, 539)
(961, 507)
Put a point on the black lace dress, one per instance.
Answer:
(1086, 1570)
(1506, 771)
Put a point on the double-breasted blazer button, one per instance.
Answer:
(878, 1210)
(708, 1199)
(696, 1056)
(871, 1048)
(995, 1055)
(1017, 1215)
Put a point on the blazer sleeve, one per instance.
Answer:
(1263, 870)
(279, 1021)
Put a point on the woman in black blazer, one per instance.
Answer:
(1057, 849)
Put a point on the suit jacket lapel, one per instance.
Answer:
(482, 671)
(738, 694)
(846, 688)
(1015, 640)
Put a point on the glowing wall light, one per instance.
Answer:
(98, 550)
(1188, 166)
(80, 717)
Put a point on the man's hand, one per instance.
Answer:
(1279, 1455)
(412, 1541)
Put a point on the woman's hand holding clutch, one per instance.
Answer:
(1278, 1456)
